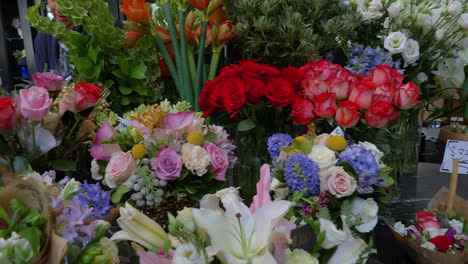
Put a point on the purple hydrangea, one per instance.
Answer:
(91, 195)
(300, 173)
(276, 141)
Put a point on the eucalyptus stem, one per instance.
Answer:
(193, 69)
(214, 62)
(175, 45)
(170, 64)
(184, 60)
(200, 62)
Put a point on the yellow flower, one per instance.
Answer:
(139, 151)
(301, 138)
(152, 118)
(337, 143)
(196, 138)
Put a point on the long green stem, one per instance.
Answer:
(170, 63)
(75, 125)
(33, 132)
(184, 61)
(214, 63)
(200, 62)
(175, 45)
(193, 68)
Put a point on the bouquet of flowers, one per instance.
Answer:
(234, 234)
(47, 122)
(429, 37)
(332, 182)
(16, 23)
(161, 152)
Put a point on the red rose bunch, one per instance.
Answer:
(7, 113)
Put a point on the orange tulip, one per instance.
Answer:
(136, 10)
(200, 4)
(132, 38)
(217, 17)
(163, 34)
(225, 32)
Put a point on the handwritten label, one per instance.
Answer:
(455, 149)
(338, 131)
(123, 124)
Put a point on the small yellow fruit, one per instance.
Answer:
(337, 143)
(139, 151)
(196, 138)
(301, 138)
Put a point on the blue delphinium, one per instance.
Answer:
(94, 197)
(301, 172)
(275, 142)
(365, 164)
(362, 59)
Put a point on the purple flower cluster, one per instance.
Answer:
(92, 196)
(300, 173)
(275, 142)
(367, 183)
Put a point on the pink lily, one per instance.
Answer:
(179, 120)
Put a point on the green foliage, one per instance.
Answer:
(290, 32)
(101, 57)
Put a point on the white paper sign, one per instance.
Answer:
(455, 149)
(123, 124)
(338, 131)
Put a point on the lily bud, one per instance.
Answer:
(218, 16)
(214, 4)
(225, 32)
(132, 38)
(201, 5)
(163, 34)
(189, 23)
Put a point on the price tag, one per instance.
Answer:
(455, 149)
(123, 124)
(338, 131)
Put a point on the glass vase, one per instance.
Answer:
(410, 138)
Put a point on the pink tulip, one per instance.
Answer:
(34, 103)
(104, 151)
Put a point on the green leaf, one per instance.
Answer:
(21, 164)
(139, 72)
(190, 189)
(119, 74)
(141, 90)
(324, 213)
(64, 165)
(245, 125)
(33, 235)
(125, 90)
(125, 101)
(304, 146)
(346, 208)
(210, 137)
(119, 192)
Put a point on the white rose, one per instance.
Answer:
(394, 9)
(439, 34)
(422, 77)
(400, 228)
(366, 213)
(333, 236)
(395, 42)
(196, 158)
(321, 139)
(411, 53)
(457, 225)
(323, 157)
(188, 254)
(463, 43)
(378, 155)
(463, 21)
(428, 245)
(455, 8)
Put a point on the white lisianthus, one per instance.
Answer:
(422, 77)
(454, 8)
(366, 213)
(423, 20)
(457, 225)
(374, 10)
(300, 256)
(411, 53)
(439, 34)
(323, 157)
(395, 42)
(400, 228)
(462, 43)
(188, 254)
(196, 158)
(386, 23)
(463, 21)
(333, 236)
(428, 245)
(394, 9)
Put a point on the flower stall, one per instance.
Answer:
(246, 131)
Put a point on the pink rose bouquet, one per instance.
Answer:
(161, 150)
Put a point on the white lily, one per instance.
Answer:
(238, 235)
(139, 228)
(350, 250)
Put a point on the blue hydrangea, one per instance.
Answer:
(275, 142)
(362, 59)
(93, 196)
(301, 172)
